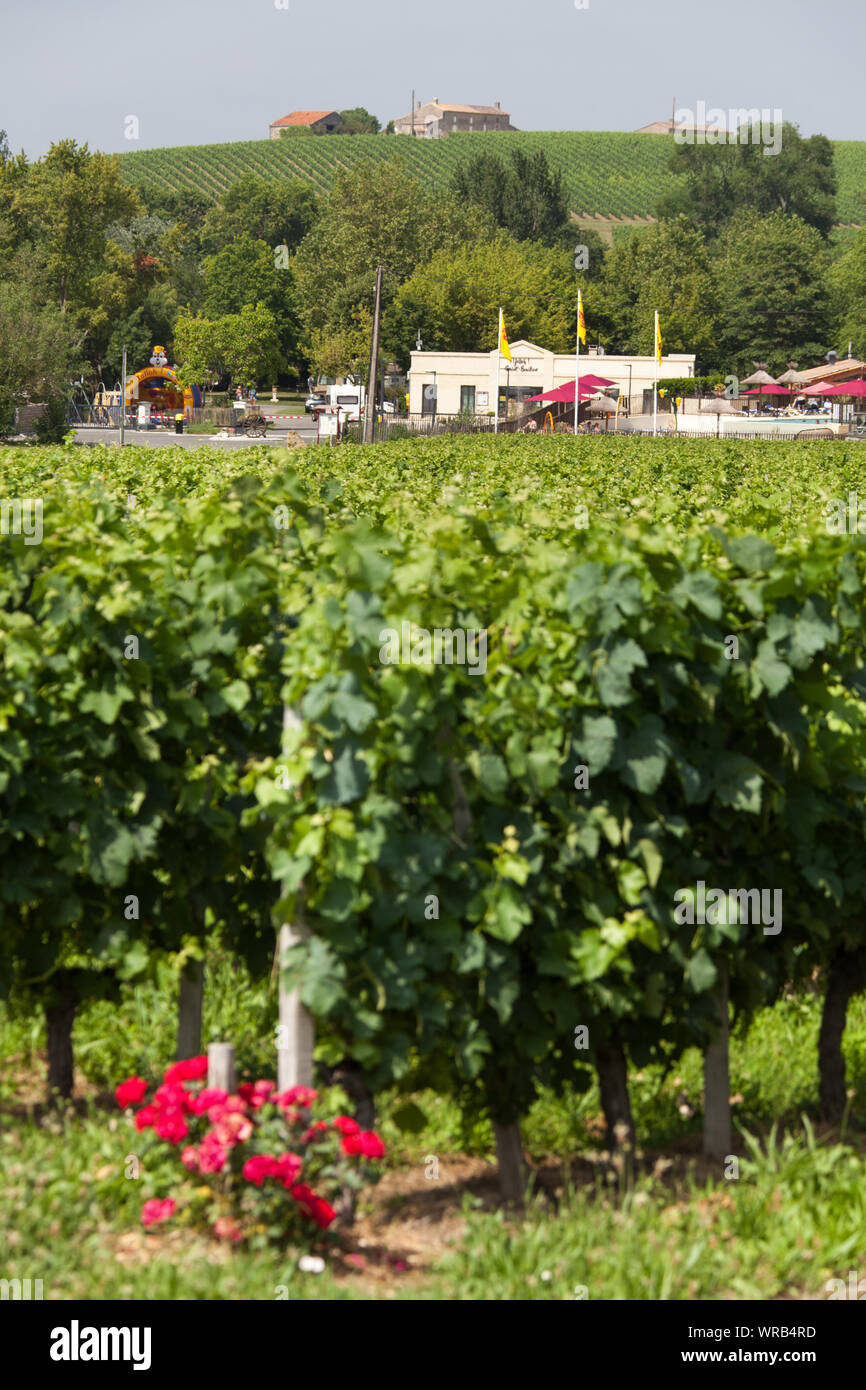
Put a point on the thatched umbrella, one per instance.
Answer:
(791, 377)
(603, 405)
(720, 405)
(759, 378)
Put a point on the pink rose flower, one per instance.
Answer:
(155, 1211)
(227, 1229)
(205, 1099)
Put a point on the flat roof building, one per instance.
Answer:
(466, 381)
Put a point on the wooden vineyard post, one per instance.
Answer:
(221, 1073)
(190, 999)
(717, 1092)
(296, 1036)
(297, 1033)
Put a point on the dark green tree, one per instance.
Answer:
(772, 288)
(665, 267)
(717, 182)
(278, 211)
(523, 194)
(357, 120)
(251, 272)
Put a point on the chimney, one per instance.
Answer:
(496, 104)
(418, 108)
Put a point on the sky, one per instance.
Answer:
(209, 71)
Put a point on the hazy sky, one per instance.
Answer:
(194, 71)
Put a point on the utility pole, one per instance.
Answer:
(413, 111)
(123, 397)
(374, 359)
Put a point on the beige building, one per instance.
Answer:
(434, 119)
(466, 381)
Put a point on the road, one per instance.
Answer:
(162, 439)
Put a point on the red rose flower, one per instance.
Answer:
(173, 1096)
(211, 1155)
(316, 1128)
(346, 1125)
(371, 1144)
(155, 1211)
(289, 1169)
(130, 1092)
(189, 1158)
(323, 1213)
(196, 1068)
(313, 1205)
(205, 1099)
(296, 1095)
(145, 1117)
(191, 1069)
(170, 1125)
(259, 1167)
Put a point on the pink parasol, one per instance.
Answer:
(589, 386)
(847, 388)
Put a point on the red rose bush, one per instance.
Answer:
(256, 1164)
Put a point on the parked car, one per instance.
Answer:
(314, 403)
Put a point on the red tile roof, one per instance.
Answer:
(303, 117)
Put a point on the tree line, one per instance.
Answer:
(744, 262)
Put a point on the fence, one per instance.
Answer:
(387, 427)
(803, 434)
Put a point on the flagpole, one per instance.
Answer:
(656, 376)
(577, 366)
(498, 363)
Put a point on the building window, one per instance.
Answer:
(467, 400)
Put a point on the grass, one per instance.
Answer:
(793, 1217)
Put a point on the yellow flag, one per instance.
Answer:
(503, 341)
(658, 340)
(581, 323)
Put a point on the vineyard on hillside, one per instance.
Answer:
(612, 174)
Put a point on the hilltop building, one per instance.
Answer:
(670, 127)
(432, 120)
(322, 122)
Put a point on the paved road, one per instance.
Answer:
(161, 439)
